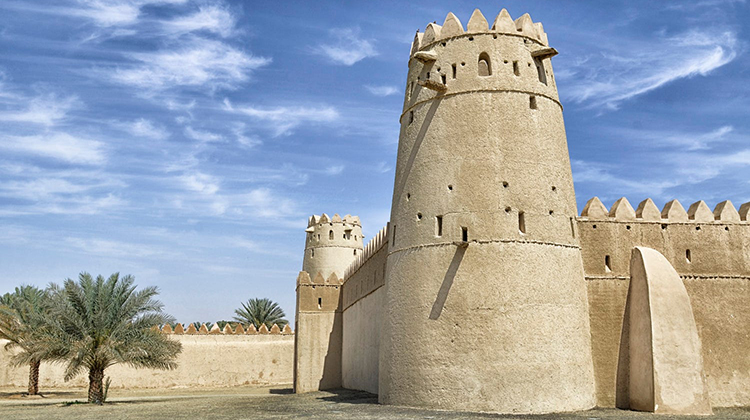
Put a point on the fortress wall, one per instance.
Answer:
(205, 361)
(362, 303)
(716, 276)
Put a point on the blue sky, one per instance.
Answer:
(186, 142)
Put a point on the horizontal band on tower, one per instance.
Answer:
(485, 242)
(446, 95)
(333, 246)
(473, 34)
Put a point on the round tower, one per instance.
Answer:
(332, 244)
(486, 305)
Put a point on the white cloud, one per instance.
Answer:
(202, 136)
(45, 109)
(111, 12)
(283, 119)
(676, 139)
(631, 68)
(144, 128)
(117, 249)
(348, 49)
(209, 18)
(200, 62)
(59, 146)
(382, 90)
(243, 139)
(200, 183)
(335, 170)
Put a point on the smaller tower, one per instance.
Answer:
(331, 245)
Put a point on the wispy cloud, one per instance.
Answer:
(200, 183)
(144, 128)
(638, 67)
(334, 170)
(382, 90)
(199, 63)
(59, 146)
(284, 119)
(201, 135)
(348, 48)
(212, 19)
(45, 109)
(676, 139)
(108, 13)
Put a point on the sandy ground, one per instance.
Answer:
(260, 403)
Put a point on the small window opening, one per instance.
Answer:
(454, 70)
(607, 264)
(355, 251)
(408, 196)
(393, 236)
(485, 66)
(521, 222)
(532, 102)
(355, 237)
(471, 38)
(593, 226)
(444, 78)
(419, 216)
(663, 225)
(505, 184)
(312, 253)
(439, 225)
(515, 68)
(318, 236)
(697, 228)
(508, 209)
(540, 71)
(726, 228)
(465, 234)
(411, 117)
(688, 256)
(463, 64)
(450, 187)
(330, 234)
(551, 212)
(627, 227)
(554, 188)
(428, 75)
(348, 235)
(320, 303)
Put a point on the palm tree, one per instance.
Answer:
(21, 317)
(100, 322)
(261, 311)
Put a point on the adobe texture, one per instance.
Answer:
(482, 231)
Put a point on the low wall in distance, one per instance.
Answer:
(206, 360)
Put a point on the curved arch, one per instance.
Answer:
(484, 65)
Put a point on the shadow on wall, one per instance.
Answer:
(331, 378)
(442, 296)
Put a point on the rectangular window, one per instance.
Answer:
(515, 68)
(454, 71)
(532, 102)
(439, 225)
(393, 236)
(320, 303)
(465, 234)
(521, 222)
(607, 264)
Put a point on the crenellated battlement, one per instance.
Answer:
(179, 329)
(333, 280)
(673, 212)
(377, 242)
(324, 218)
(452, 28)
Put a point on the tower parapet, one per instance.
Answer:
(331, 244)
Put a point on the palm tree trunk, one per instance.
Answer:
(96, 390)
(34, 377)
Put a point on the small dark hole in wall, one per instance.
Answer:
(428, 75)
(411, 117)
(408, 196)
(463, 64)
(494, 36)
(471, 38)
(393, 236)
(663, 225)
(419, 216)
(516, 71)
(521, 222)
(532, 102)
(439, 225)
(551, 212)
(505, 61)
(465, 234)
(444, 78)
(697, 228)
(554, 188)
(450, 187)
(312, 253)
(607, 263)
(355, 252)
(443, 43)
(320, 302)
(505, 184)
(726, 228)
(508, 209)
(593, 226)
(627, 227)
(688, 256)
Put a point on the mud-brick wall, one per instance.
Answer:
(205, 361)
(363, 303)
(712, 258)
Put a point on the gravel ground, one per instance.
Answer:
(262, 403)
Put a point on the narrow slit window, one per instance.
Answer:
(540, 70)
(573, 227)
(320, 303)
(485, 66)
(393, 236)
(521, 222)
(444, 78)
(439, 225)
(330, 234)
(411, 117)
(312, 253)
(532, 102)
(465, 234)
(688, 256)
(454, 70)
(515, 68)
(355, 252)
(607, 264)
